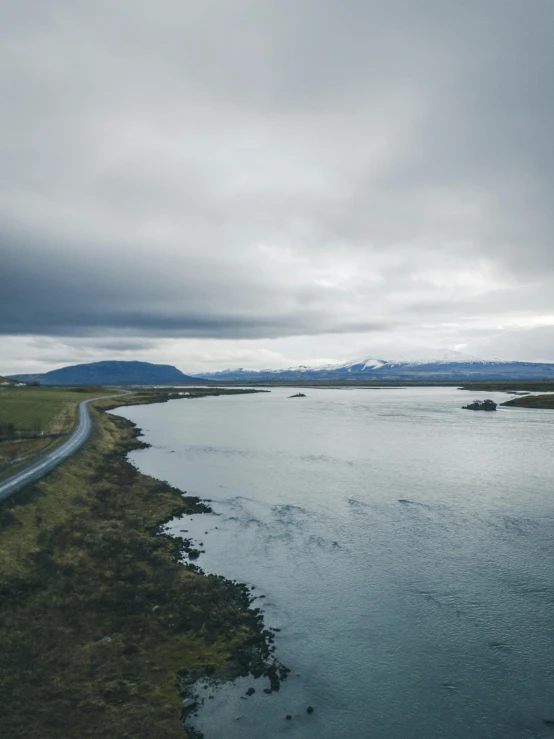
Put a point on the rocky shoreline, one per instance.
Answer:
(107, 624)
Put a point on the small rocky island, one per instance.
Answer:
(480, 405)
(298, 395)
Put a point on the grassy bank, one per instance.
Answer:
(532, 401)
(102, 628)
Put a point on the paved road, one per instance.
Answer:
(40, 468)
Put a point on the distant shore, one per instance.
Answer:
(466, 384)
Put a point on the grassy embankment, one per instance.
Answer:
(532, 401)
(40, 419)
(80, 560)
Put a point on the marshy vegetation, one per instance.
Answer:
(102, 627)
(532, 401)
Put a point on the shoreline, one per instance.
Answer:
(532, 401)
(105, 631)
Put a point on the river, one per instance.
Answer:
(404, 548)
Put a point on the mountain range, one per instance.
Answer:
(111, 373)
(445, 366)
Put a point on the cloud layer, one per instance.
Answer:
(267, 169)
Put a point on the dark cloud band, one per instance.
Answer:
(284, 169)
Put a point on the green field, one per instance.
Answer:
(34, 420)
(42, 409)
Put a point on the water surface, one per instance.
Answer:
(403, 546)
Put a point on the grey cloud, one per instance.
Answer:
(75, 294)
(273, 168)
(118, 344)
(535, 344)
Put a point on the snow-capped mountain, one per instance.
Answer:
(441, 366)
(431, 356)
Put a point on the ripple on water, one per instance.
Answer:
(404, 548)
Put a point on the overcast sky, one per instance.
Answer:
(272, 182)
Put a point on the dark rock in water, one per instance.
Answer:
(298, 395)
(250, 691)
(309, 709)
(480, 405)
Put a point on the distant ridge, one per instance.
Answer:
(442, 366)
(111, 373)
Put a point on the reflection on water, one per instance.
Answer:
(403, 547)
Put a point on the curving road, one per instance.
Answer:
(40, 468)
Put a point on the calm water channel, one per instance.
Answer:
(404, 547)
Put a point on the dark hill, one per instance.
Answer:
(113, 373)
